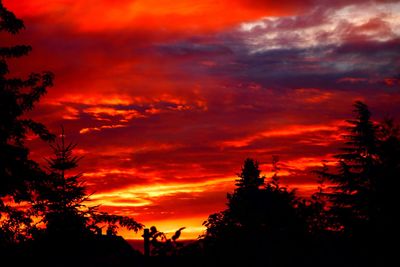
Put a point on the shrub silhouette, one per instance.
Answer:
(163, 246)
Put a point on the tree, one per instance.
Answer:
(249, 178)
(363, 200)
(262, 206)
(353, 194)
(246, 202)
(18, 173)
(262, 217)
(243, 205)
(60, 197)
(389, 170)
(61, 200)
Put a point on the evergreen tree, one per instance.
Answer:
(353, 194)
(246, 203)
(262, 217)
(262, 206)
(249, 178)
(70, 229)
(61, 200)
(60, 197)
(17, 96)
(363, 199)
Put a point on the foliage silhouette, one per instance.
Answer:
(261, 216)
(362, 200)
(61, 200)
(57, 225)
(71, 228)
(353, 193)
(366, 172)
(163, 246)
(18, 173)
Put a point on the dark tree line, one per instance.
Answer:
(353, 222)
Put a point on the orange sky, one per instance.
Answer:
(167, 98)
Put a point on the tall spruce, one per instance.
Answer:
(353, 194)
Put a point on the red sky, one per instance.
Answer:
(167, 98)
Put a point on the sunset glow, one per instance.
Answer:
(165, 99)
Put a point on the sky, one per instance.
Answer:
(166, 98)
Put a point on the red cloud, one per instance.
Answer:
(166, 98)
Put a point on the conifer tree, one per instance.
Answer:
(60, 197)
(260, 216)
(245, 203)
(62, 200)
(249, 178)
(353, 194)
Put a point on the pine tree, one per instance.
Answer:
(249, 178)
(61, 199)
(353, 194)
(262, 217)
(245, 203)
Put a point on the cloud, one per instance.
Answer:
(298, 130)
(87, 130)
(192, 15)
(166, 103)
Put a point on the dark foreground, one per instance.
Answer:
(116, 252)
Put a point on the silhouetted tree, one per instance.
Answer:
(112, 221)
(315, 212)
(60, 197)
(363, 199)
(353, 194)
(246, 202)
(61, 200)
(68, 228)
(385, 218)
(249, 178)
(389, 169)
(261, 216)
(17, 96)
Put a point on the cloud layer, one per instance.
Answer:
(166, 99)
